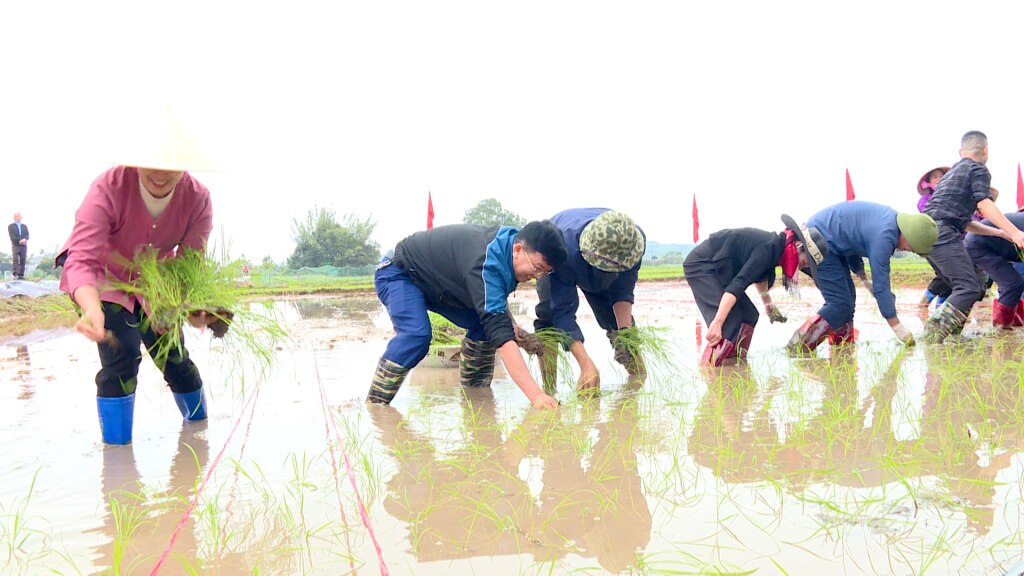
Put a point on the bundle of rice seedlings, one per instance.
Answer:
(652, 345)
(556, 357)
(193, 283)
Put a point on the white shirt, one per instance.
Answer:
(156, 206)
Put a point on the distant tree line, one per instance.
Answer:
(323, 239)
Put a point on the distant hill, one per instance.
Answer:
(658, 250)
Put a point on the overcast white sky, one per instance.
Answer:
(756, 107)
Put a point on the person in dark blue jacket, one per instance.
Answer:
(996, 256)
(465, 273)
(605, 249)
(856, 230)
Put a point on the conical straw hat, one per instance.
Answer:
(154, 137)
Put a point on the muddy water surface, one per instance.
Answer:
(869, 459)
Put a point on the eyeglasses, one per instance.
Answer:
(537, 272)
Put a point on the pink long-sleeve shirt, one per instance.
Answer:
(113, 223)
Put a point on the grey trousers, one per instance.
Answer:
(951, 262)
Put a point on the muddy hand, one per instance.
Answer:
(221, 322)
(91, 325)
(903, 334)
(198, 319)
(637, 370)
(218, 322)
(774, 314)
(530, 342)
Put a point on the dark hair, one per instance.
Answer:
(974, 140)
(544, 237)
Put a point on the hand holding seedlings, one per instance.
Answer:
(92, 322)
(774, 314)
(903, 334)
(529, 342)
(218, 322)
(542, 401)
(622, 354)
(589, 379)
(91, 325)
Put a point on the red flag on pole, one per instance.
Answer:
(696, 221)
(849, 186)
(430, 211)
(1020, 189)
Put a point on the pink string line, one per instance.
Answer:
(352, 478)
(199, 491)
(241, 453)
(325, 408)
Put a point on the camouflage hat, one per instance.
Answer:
(612, 242)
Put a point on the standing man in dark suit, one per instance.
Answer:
(19, 245)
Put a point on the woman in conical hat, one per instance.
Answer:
(937, 287)
(149, 200)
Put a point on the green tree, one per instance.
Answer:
(44, 268)
(673, 257)
(321, 240)
(489, 212)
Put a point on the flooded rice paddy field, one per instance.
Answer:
(868, 459)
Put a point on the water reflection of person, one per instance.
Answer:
(732, 435)
(962, 416)
(24, 373)
(467, 504)
(848, 441)
(137, 524)
(474, 502)
(595, 498)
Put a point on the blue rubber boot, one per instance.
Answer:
(192, 404)
(116, 415)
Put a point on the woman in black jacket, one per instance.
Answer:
(720, 269)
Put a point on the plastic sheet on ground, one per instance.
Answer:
(28, 288)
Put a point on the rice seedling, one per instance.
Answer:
(359, 447)
(186, 287)
(649, 349)
(16, 529)
(128, 515)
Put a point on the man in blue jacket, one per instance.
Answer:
(605, 249)
(856, 230)
(465, 273)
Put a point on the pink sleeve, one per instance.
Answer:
(201, 220)
(87, 246)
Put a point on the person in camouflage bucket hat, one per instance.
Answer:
(605, 251)
(612, 242)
